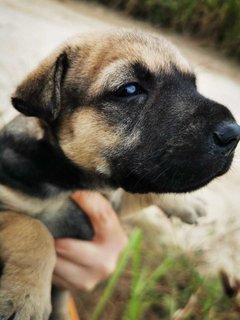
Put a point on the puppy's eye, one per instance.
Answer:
(129, 90)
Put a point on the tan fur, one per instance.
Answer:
(31, 290)
(105, 63)
(85, 138)
(101, 62)
(20, 202)
(130, 50)
(186, 207)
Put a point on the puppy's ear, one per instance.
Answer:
(40, 94)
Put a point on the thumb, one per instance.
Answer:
(99, 211)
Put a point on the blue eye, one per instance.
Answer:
(129, 90)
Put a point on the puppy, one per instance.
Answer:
(106, 110)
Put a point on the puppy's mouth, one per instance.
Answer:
(178, 167)
(174, 179)
(197, 185)
(204, 182)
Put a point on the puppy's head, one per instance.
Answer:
(124, 105)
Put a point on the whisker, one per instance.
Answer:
(161, 173)
(149, 172)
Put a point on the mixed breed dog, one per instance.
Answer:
(113, 111)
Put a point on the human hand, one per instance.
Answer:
(81, 265)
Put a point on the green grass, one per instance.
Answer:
(215, 21)
(134, 244)
(153, 281)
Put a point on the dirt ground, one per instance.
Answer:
(29, 30)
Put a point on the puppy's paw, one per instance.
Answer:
(22, 303)
(186, 207)
(27, 261)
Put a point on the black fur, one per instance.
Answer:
(59, 299)
(44, 99)
(38, 167)
(33, 166)
(71, 222)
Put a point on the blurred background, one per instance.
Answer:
(176, 270)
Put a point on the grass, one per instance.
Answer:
(214, 21)
(134, 244)
(153, 281)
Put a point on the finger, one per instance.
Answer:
(72, 276)
(99, 211)
(79, 252)
(102, 258)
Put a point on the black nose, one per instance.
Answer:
(227, 137)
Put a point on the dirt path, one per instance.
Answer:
(29, 30)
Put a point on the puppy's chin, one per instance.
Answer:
(174, 180)
(199, 184)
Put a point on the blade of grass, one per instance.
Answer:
(132, 309)
(133, 243)
(150, 283)
(142, 284)
(159, 272)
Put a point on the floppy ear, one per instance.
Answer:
(39, 95)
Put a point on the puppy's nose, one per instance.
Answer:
(227, 137)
